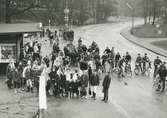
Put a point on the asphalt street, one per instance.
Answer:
(137, 99)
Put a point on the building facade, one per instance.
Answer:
(11, 41)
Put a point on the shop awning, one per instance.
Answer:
(20, 28)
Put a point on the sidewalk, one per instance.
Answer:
(144, 43)
(16, 105)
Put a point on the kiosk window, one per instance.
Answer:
(6, 52)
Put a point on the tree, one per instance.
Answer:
(16, 7)
(80, 10)
(165, 10)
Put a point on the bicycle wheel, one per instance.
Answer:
(128, 71)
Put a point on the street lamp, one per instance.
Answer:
(49, 24)
(133, 11)
(66, 18)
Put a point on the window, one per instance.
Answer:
(7, 51)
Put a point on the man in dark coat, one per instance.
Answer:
(157, 63)
(162, 72)
(106, 85)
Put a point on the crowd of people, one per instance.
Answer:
(74, 71)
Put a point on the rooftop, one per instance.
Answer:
(20, 28)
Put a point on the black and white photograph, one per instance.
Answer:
(83, 58)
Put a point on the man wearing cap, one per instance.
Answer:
(146, 60)
(139, 61)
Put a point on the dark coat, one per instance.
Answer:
(11, 73)
(56, 48)
(162, 72)
(89, 73)
(52, 75)
(28, 73)
(83, 65)
(84, 80)
(94, 80)
(63, 80)
(106, 82)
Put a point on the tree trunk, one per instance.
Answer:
(145, 11)
(7, 16)
(165, 15)
(154, 12)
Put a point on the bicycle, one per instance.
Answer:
(137, 69)
(116, 70)
(157, 84)
(128, 70)
(146, 70)
(120, 73)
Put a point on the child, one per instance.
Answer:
(75, 84)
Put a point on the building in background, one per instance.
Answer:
(11, 41)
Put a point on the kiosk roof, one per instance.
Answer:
(19, 28)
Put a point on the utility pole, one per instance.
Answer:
(95, 11)
(133, 13)
(66, 18)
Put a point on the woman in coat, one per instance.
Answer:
(10, 73)
(42, 89)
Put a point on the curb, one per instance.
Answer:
(138, 44)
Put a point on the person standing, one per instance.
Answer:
(42, 90)
(16, 80)
(94, 83)
(162, 72)
(27, 73)
(74, 81)
(107, 66)
(10, 73)
(20, 82)
(84, 85)
(146, 60)
(106, 85)
(139, 62)
(36, 51)
(157, 63)
(117, 58)
(89, 76)
(68, 81)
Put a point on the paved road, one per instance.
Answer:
(138, 99)
(135, 100)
